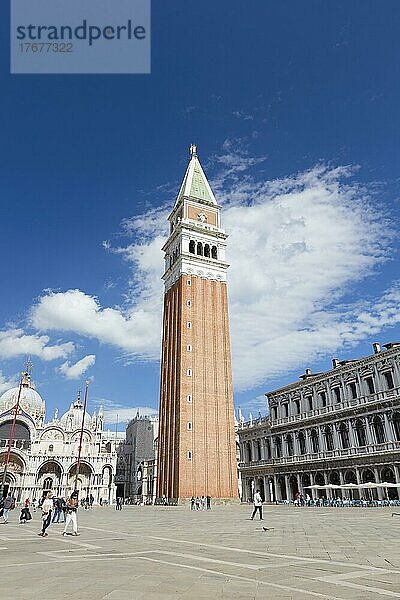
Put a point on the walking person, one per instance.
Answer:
(72, 507)
(208, 502)
(25, 512)
(202, 503)
(57, 510)
(47, 507)
(257, 501)
(9, 504)
(192, 502)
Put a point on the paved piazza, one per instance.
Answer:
(169, 553)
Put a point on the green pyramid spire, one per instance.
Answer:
(195, 184)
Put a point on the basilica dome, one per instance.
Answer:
(72, 419)
(30, 401)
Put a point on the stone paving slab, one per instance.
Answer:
(168, 553)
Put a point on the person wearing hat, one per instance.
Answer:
(72, 507)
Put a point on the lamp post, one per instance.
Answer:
(81, 437)
(10, 441)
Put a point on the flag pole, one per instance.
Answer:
(10, 441)
(81, 437)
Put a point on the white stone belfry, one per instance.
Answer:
(197, 243)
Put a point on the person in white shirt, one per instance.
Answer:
(257, 501)
(47, 507)
(72, 507)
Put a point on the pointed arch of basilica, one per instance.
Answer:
(49, 477)
(15, 471)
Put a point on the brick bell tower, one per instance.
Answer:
(196, 450)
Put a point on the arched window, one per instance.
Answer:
(282, 486)
(285, 410)
(368, 476)
(334, 478)
(278, 447)
(249, 452)
(289, 443)
(297, 405)
(388, 475)
(302, 443)
(199, 249)
(344, 435)
(389, 380)
(268, 448)
(48, 483)
(360, 433)
(350, 477)
(258, 450)
(274, 412)
(379, 430)
(192, 247)
(338, 394)
(396, 425)
(207, 251)
(214, 252)
(314, 440)
(21, 431)
(329, 438)
(370, 385)
(353, 390)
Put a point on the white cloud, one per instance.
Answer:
(76, 370)
(243, 115)
(14, 342)
(136, 328)
(115, 412)
(298, 247)
(132, 330)
(6, 384)
(255, 406)
(122, 415)
(235, 158)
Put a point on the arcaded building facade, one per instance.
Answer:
(44, 452)
(337, 427)
(196, 446)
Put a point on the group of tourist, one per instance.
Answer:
(200, 503)
(52, 508)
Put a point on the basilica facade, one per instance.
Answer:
(44, 453)
(337, 427)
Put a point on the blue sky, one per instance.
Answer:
(294, 108)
